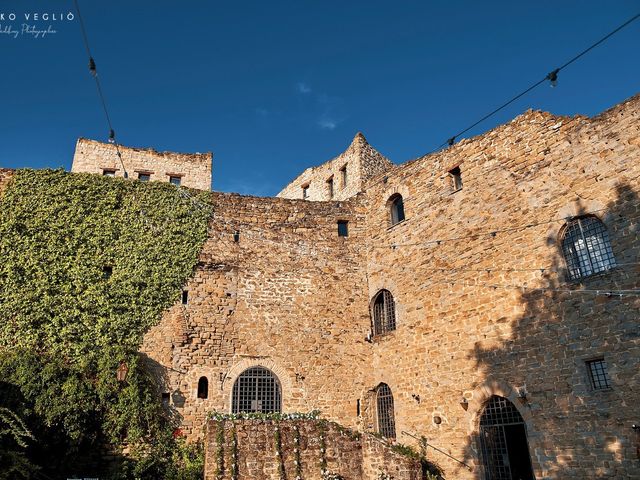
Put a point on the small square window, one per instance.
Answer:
(330, 187)
(305, 192)
(144, 177)
(456, 178)
(108, 172)
(343, 228)
(173, 180)
(599, 374)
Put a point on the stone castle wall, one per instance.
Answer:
(5, 176)
(470, 320)
(482, 301)
(361, 162)
(194, 170)
(288, 296)
(266, 450)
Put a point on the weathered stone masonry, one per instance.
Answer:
(483, 303)
(293, 296)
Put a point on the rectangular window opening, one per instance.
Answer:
(343, 174)
(165, 398)
(174, 180)
(108, 172)
(305, 192)
(330, 187)
(456, 178)
(599, 374)
(343, 228)
(144, 177)
(185, 297)
(358, 407)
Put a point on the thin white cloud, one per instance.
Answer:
(303, 88)
(327, 123)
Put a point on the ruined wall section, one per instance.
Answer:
(194, 170)
(265, 450)
(361, 161)
(288, 295)
(464, 268)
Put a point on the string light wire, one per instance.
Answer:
(94, 73)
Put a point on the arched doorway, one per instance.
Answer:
(503, 441)
(257, 389)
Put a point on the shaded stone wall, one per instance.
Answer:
(361, 162)
(269, 450)
(471, 318)
(194, 169)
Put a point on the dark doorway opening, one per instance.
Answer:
(503, 441)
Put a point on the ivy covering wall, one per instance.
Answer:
(88, 264)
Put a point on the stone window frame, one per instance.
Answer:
(203, 388)
(331, 191)
(179, 176)
(455, 178)
(394, 213)
(344, 232)
(385, 424)
(604, 252)
(109, 172)
(386, 310)
(147, 173)
(343, 176)
(305, 190)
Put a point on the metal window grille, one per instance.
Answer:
(397, 209)
(203, 387)
(498, 413)
(586, 248)
(384, 313)
(386, 416)
(599, 374)
(257, 389)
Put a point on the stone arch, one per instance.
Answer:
(478, 398)
(236, 370)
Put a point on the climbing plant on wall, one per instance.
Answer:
(88, 264)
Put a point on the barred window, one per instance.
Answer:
(203, 387)
(586, 247)
(257, 389)
(383, 312)
(599, 374)
(384, 411)
(396, 208)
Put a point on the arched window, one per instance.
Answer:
(586, 247)
(203, 387)
(257, 389)
(383, 311)
(396, 208)
(503, 441)
(384, 411)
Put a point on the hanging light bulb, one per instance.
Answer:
(92, 67)
(112, 136)
(553, 77)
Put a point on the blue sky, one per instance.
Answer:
(274, 87)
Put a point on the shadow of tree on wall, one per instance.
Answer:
(573, 431)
